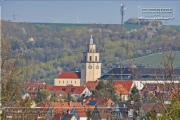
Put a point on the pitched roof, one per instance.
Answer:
(67, 116)
(62, 106)
(158, 108)
(145, 73)
(70, 75)
(121, 90)
(91, 85)
(33, 88)
(99, 101)
(126, 84)
(72, 89)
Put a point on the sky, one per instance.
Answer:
(88, 11)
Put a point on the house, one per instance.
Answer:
(127, 110)
(32, 89)
(68, 79)
(158, 91)
(68, 117)
(79, 114)
(101, 114)
(153, 108)
(82, 115)
(91, 85)
(123, 88)
(99, 102)
(76, 91)
(141, 76)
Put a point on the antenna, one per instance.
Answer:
(122, 12)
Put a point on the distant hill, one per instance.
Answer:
(153, 60)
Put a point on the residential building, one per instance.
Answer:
(76, 91)
(123, 89)
(141, 76)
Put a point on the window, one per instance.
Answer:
(67, 82)
(71, 82)
(59, 82)
(90, 58)
(75, 82)
(63, 81)
(96, 58)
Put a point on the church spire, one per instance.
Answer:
(91, 40)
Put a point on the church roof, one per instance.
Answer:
(71, 75)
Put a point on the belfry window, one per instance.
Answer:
(96, 58)
(90, 58)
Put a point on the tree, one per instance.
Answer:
(42, 95)
(134, 95)
(27, 102)
(100, 85)
(11, 73)
(54, 97)
(69, 97)
(89, 114)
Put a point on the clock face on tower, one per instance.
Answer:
(89, 66)
(97, 67)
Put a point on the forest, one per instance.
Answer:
(49, 48)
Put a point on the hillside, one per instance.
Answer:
(154, 60)
(59, 47)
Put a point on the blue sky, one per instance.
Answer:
(87, 11)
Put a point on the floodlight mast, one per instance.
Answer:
(122, 12)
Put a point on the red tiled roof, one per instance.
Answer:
(61, 106)
(126, 84)
(72, 89)
(33, 88)
(91, 85)
(71, 75)
(121, 90)
(101, 101)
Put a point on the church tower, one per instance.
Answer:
(91, 65)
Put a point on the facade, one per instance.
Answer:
(91, 65)
(68, 79)
(141, 76)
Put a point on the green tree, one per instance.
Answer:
(42, 95)
(89, 114)
(100, 85)
(134, 95)
(54, 98)
(27, 102)
(10, 75)
(69, 97)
